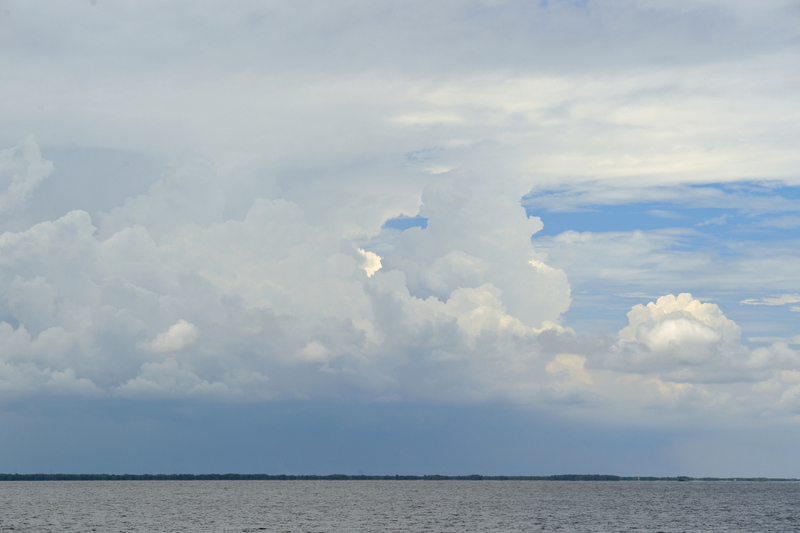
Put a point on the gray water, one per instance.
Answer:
(431, 506)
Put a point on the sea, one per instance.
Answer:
(407, 506)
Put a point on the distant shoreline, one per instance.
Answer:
(342, 477)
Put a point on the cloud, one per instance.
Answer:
(313, 352)
(169, 379)
(478, 233)
(661, 213)
(573, 365)
(617, 261)
(717, 221)
(480, 309)
(466, 309)
(679, 339)
(440, 169)
(781, 340)
(784, 222)
(751, 197)
(22, 169)
(179, 336)
(286, 309)
(257, 265)
(672, 321)
(371, 264)
(778, 300)
(272, 295)
(26, 379)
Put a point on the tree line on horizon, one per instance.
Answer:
(344, 477)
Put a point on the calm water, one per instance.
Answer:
(296, 506)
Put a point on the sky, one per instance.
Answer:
(366, 237)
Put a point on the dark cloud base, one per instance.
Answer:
(58, 435)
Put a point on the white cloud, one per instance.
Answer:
(286, 310)
(481, 309)
(477, 233)
(371, 264)
(677, 333)
(465, 310)
(313, 352)
(680, 339)
(177, 338)
(27, 379)
(169, 379)
(758, 198)
(271, 284)
(717, 221)
(439, 169)
(784, 222)
(778, 355)
(574, 366)
(22, 168)
(779, 300)
(672, 321)
(784, 340)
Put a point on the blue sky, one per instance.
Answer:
(724, 221)
(483, 236)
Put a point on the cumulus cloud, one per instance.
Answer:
(371, 263)
(22, 169)
(27, 378)
(287, 308)
(168, 379)
(574, 366)
(465, 310)
(679, 321)
(175, 339)
(477, 233)
(272, 294)
(680, 339)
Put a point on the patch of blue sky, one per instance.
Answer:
(751, 196)
(403, 223)
(740, 211)
(713, 227)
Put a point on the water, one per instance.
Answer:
(430, 506)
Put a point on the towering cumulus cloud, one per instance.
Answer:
(479, 236)
(165, 296)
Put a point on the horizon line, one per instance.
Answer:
(366, 477)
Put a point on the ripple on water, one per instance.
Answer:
(387, 506)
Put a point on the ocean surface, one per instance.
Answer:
(430, 506)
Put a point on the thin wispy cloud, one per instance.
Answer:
(775, 300)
